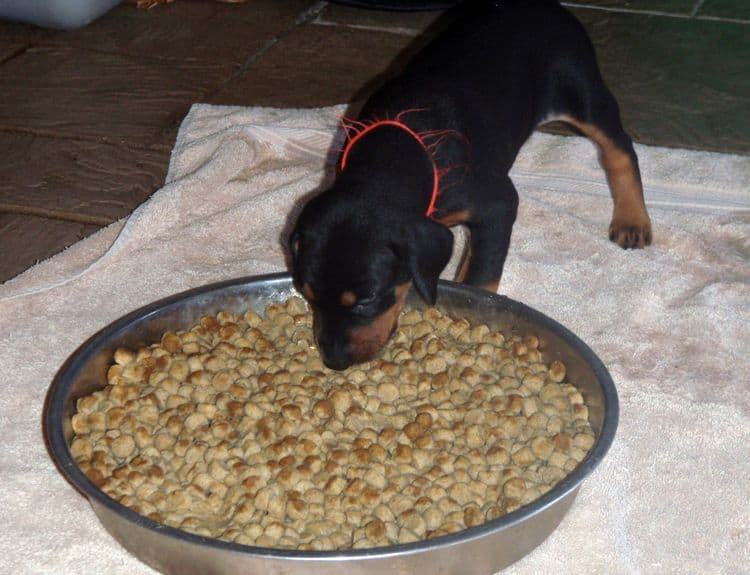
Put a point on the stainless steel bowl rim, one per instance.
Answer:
(52, 420)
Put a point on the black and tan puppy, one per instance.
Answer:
(431, 149)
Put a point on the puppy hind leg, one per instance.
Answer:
(630, 226)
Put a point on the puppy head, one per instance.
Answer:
(355, 269)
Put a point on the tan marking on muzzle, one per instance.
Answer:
(348, 298)
(308, 292)
(366, 341)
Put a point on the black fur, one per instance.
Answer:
(490, 78)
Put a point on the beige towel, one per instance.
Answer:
(670, 322)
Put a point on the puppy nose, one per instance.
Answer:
(333, 345)
(339, 363)
(334, 353)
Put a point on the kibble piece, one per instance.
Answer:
(79, 423)
(323, 408)
(498, 455)
(435, 364)
(171, 343)
(460, 493)
(81, 449)
(123, 446)
(473, 516)
(514, 488)
(584, 440)
(555, 424)
(414, 522)
(388, 391)
(341, 400)
(580, 412)
(195, 420)
(542, 447)
(375, 530)
(97, 421)
(577, 454)
(475, 436)
(557, 371)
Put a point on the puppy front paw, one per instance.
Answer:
(629, 233)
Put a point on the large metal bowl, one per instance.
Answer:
(479, 550)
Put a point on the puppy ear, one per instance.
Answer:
(430, 245)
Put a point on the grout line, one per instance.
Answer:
(656, 13)
(63, 215)
(410, 32)
(304, 17)
(697, 7)
(15, 53)
(722, 19)
(311, 13)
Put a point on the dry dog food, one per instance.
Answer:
(235, 430)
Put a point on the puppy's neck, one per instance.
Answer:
(390, 163)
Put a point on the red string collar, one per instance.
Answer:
(356, 130)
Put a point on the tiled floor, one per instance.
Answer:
(88, 118)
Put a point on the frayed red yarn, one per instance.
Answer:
(356, 130)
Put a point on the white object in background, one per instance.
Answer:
(61, 14)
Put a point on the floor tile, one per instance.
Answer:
(24, 33)
(245, 28)
(189, 30)
(735, 9)
(315, 66)
(86, 181)
(683, 7)
(680, 82)
(10, 49)
(76, 93)
(167, 30)
(27, 240)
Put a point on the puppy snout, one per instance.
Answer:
(341, 345)
(335, 354)
(334, 351)
(338, 363)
